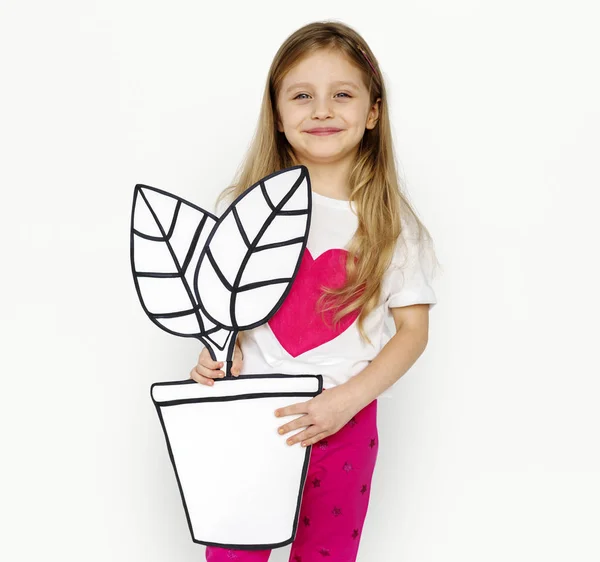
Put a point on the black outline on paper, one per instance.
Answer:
(169, 403)
(193, 292)
(197, 307)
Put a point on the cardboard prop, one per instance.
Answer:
(208, 277)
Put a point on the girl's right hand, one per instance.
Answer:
(206, 370)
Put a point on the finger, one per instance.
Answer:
(236, 366)
(205, 360)
(312, 440)
(209, 373)
(302, 421)
(304, 436)
(298, 408)
(200, 379)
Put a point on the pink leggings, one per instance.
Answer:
(335, 498)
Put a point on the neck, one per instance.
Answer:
(330, 179)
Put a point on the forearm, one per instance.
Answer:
(395, 358)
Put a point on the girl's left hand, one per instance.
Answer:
(325, 414)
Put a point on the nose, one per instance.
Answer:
(321, 109)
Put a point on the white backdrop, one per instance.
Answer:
(490, 449)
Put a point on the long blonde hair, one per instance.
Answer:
(374, 184)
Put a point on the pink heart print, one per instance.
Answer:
(297, 325)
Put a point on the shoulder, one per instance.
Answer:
(409, 241)
(414, 249)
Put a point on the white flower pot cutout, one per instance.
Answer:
(208, 277)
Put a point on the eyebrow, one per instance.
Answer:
(337, 83)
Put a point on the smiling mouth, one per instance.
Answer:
(323, 132)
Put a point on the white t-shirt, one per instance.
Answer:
(296, 340)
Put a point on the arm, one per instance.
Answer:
(396, 357)
(329, 411)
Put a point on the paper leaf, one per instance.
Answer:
(167, 238)
(254, 251)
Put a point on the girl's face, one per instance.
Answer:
(325, 90)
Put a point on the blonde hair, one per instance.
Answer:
(374, 184)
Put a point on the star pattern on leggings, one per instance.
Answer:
(231, 554)
(337, 510)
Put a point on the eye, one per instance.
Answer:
(344, 93)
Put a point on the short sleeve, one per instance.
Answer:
(411, 273)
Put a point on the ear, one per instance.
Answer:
(373, 116)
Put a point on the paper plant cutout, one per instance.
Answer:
(208, 277)
(242, 263)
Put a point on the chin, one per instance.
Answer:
(324, 157)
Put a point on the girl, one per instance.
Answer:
(325, 106)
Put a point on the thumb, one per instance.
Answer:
(236, 366)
